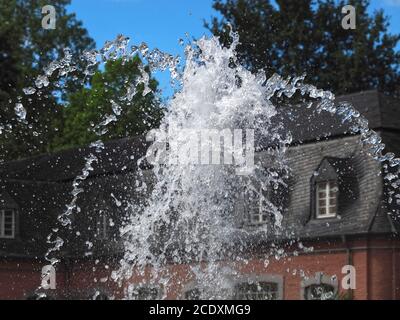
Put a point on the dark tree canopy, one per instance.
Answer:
(293, 37)
(25, 48)
(64, 113)
(90, 106)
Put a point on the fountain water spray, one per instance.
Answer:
(191, 213)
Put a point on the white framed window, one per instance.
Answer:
(319, 287)
(102, 224)
(192, 294)
(7, 223)
(254, 205)
(257, 291)
(319, 292)
(100, 296)
(258, 217)
(143, 293)
(326, 199)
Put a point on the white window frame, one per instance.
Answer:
(134, 293)
(102, 224)
(256, 214)
(187, 294)
(254, 278)
(318, 279)
(2, 224)
(323, 294)
(256, 295)
(258, 217)
(330, 193)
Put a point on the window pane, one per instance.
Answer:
(145, 293)
(1, 223)
(319, 292)
(101, 224)
(7, 228)
(193, 294)
(256, 291)
(327, 198)
(148, 293)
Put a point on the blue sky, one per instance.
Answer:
(161, 23)
(391, 9)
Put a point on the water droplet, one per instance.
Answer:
(29, 90)
(20, 112)
(116, 108)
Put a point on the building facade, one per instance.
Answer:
(335, 203)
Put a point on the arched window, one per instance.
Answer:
(143, 292)
(320, 287)
(192, 294)
(41, 296)
(319, 292)
(256, 291)
(101, 296)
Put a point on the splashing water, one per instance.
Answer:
(189, 215)
(20, 111)
(191, 211)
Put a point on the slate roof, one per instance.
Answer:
(41, 185)
(364, 191)
(118, 156)
(305, 125)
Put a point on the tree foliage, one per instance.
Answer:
(292, 37)
(90, 106)
(64, 113)
(25, 48)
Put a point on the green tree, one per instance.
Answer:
(105, 99)
(25, 49)
(293, 37)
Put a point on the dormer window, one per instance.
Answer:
(262, 204)
(326, 199)
(7, 223)
(333, 188)
(256, 214)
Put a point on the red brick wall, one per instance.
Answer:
(20, 278)
(376, 262)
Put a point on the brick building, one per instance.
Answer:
(335, 203)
